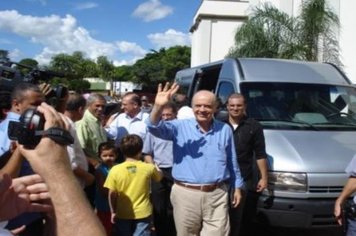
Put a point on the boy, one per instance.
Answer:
(108, 156)
(128, 185)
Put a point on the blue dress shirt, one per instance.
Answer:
(5, 142)
(200, 158)
(26, 169)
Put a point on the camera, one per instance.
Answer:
(28, 131)
(10, 76)
(58, 93)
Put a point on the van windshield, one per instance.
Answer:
(301, 106)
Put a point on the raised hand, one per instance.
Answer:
(164, 94)
(23, 194)
(162, 97)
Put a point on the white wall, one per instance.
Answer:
(348, 37)
(213, 29)
(217, 20)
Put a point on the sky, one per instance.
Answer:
(122, 30)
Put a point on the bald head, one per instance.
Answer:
(204, 107)
(205, 94)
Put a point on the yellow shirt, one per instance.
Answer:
(131, 180)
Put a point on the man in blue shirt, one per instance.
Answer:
(204, 160)
(24, 96)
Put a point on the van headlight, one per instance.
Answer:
(286, 181)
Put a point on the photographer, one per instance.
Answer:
(73, 214)
(345, 210)
(24, 96)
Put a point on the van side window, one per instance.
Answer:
(224, 91)
(207, 78)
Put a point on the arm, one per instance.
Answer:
(235, 174)
(112, 203)
(13, 165)
(147, 149)
(263, 182)
(148, 159)
(72, 210)
(157, 173)
(236, 198)
(259, 148)
(100, 180)
(84, 175)
(348, 189)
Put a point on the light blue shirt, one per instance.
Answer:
(123, 125)
(200, 158)
(161, 150)
(5, 142)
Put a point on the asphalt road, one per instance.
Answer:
(269, 231)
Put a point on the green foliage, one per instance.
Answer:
(160, 66)
(156, 67)
(31, 63)
(122, 73)
(274, 34)
(79, 85)
(58, 81)
(105, 68)
(74, 66)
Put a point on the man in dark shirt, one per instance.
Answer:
(250, 147)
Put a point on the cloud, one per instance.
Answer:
(15, 54)
(126, 62)
(126, 47)
(152, 10)
(85, 5)
(62, 35)
(169, 38)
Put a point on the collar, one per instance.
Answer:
(211, 128)
(90, 117)
(243, 120)
(12, 116)
(139, 116)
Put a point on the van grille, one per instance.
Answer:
(325, 189)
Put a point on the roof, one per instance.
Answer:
(280, 70)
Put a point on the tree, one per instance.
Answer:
(122, 73)
(26, 65)
(74, 66)
(105, 68)
(160, 66)
(79, 85)
(271, 33)
(65, 64)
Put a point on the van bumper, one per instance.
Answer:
(296, 213)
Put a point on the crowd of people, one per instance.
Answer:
(162, 168)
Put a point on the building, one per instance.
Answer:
(112, 88)
(216, 21)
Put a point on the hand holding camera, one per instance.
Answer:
(31, 128)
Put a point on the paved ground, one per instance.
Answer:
(296, 232)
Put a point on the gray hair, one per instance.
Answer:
(95, 97)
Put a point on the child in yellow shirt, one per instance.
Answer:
(129, 187)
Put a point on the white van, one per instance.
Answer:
(308, 112)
